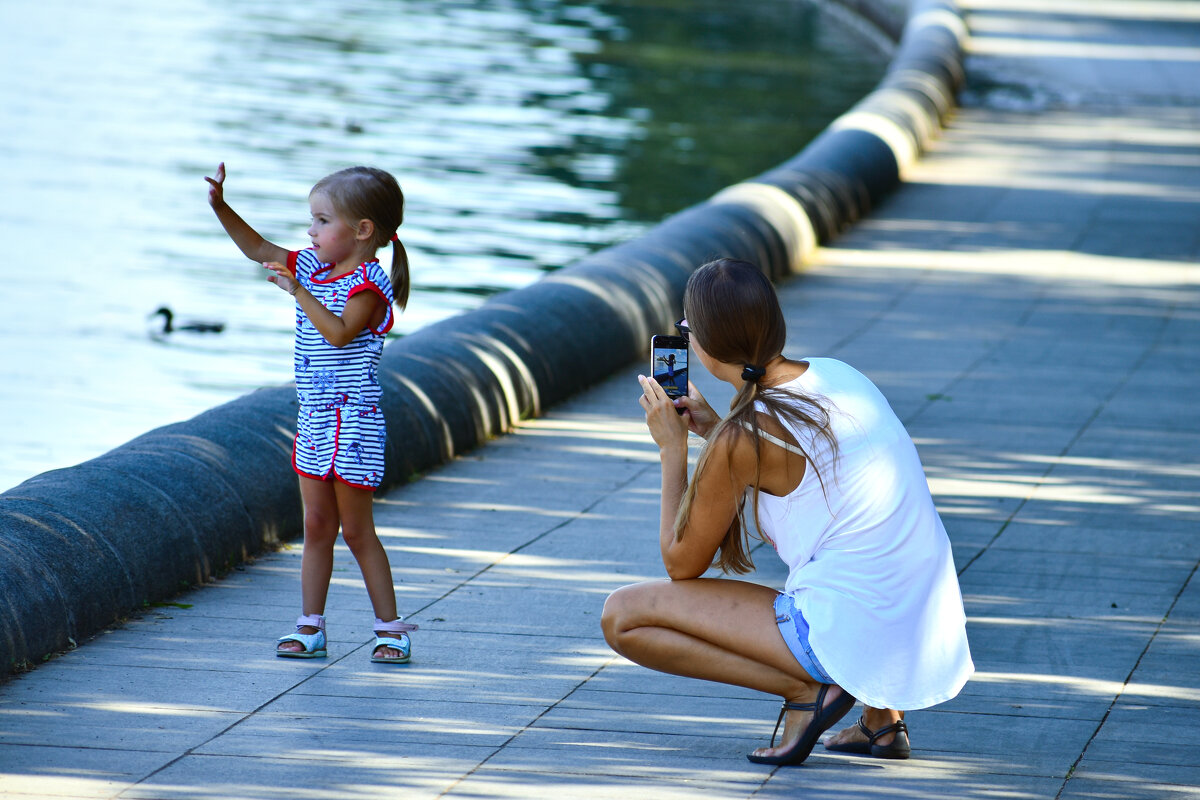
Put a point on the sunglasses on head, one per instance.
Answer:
(684, 330)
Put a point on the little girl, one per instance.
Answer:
(343, 310)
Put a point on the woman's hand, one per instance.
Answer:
(282, 277)
(666, 425)
(699, 414)
(216, 187)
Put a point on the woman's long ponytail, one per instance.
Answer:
(735, 316)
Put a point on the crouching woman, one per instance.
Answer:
(830, 478)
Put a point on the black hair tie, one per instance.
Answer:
(752, 373)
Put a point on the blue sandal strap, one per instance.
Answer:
(313, 643)
(403, 644)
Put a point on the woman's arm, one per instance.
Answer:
(719, 489)
(248, 240)
(361, 310)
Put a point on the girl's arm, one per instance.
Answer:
(719, 487)
(248, 240)
(363, 309)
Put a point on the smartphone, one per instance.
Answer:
(669, 364)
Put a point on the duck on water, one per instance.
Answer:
(191, 326)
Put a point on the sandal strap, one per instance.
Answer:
(402, 644)
(791, 705)
(392, 642)
(396, 626)
(311, 621)
(310, 641)
(898, 727)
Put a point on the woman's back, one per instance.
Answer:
(867, 554)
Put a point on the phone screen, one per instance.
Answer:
(669, 364)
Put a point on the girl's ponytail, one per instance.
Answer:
(399, 275)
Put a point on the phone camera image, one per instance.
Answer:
(669, 364)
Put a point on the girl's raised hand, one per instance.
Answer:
(666, 425)
(216, 187)
(282, 278)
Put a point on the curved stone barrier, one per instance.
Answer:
(83, 546)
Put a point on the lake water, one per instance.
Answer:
(525, 134)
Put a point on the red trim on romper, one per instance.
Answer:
(371, 286)
(291, 261)
(354, 485)
(327, 267)
(334, 476)
(332, 473)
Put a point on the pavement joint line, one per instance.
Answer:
(574, 516)
(1128, 678)
(1034, 303)
(1054, 462)
(527, 726)
(902, 293)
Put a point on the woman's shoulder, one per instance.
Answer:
(833, 374)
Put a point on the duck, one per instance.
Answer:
(192, 326)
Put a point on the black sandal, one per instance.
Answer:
(899, 748)
(824, 718)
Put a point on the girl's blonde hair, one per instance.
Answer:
(734, 313)
(361, 193)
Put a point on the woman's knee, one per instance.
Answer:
(618, 612)
(610, 617)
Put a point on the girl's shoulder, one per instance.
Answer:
(304, 262)
(372, 275)
(373, 271)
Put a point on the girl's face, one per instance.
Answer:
(333, 240)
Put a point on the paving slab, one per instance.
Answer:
(1027, 301)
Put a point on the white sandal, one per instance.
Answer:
(313, 643)
(393, 634)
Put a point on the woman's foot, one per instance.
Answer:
(879, 732)
(799, 723)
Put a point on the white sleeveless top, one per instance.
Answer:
(869, 560)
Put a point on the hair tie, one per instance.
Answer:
(395, 237)
(752, 373)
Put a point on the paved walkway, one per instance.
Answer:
(1029, 302)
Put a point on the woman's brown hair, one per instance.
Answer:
(368, 193)
(733, 312)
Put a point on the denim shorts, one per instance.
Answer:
(795, 632)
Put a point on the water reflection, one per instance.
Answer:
(525, 133)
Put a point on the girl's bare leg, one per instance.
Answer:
(316, 564)
(712, 629)
(358, 529)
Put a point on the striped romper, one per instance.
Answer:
(340, 431)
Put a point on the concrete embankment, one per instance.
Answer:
(83, 546)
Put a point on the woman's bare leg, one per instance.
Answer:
(712, 629)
